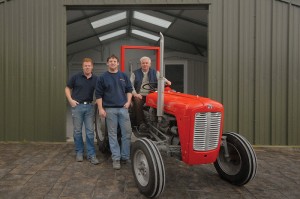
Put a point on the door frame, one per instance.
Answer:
(185, 71)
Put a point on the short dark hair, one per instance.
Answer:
(112, 57)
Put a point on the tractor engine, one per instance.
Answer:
(167, 125)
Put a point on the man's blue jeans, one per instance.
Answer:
(84, 113)
(115, 116)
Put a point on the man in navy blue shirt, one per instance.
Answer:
(79, 92)
(113, 97)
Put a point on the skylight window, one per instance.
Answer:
(113, 34)
(109, 20)
(150, 19)
(144, 34)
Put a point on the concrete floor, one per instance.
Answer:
(49, 170)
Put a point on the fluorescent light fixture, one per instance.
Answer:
(144, 34)
(113, 34)
(109, 20)
(150, 19)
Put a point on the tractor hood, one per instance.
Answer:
(175, 102)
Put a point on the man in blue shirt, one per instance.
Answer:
(79, 92)
(113, 97)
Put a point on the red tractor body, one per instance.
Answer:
(193, 115)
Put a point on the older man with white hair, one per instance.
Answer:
(138, 78)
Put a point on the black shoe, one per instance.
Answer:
(143, 127)
(128, 161)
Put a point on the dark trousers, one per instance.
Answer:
(138, 109)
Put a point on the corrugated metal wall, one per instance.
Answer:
(293, 84)
(253, 67)
(33, 70)
(2, 64)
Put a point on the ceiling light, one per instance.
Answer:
(109, 20)
(113, 34)
(144, 34)
(150, 19)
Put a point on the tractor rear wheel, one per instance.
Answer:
(241, 164)
(101, 132)
(148, 168)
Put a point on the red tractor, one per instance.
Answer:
(184, 126)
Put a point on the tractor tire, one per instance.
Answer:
(101, 132)
(148, 168)
(241, 165)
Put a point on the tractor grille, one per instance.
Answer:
(206, 131)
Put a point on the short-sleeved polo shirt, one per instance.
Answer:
(82, 87)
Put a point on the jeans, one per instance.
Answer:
(84, 113)
(115, 116)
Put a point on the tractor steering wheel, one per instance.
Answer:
(151, 86)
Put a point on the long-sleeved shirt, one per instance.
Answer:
(113, 89)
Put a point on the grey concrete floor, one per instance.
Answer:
(49, 170)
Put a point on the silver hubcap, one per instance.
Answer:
(231, 165)
(141, 168)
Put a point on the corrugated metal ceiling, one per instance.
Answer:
(187, 33)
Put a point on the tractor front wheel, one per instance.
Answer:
(237, 161)
(148, 168)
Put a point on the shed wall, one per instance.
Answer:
(2, 64)
(34, 70)
(253, 67)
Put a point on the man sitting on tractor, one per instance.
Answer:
(140, 77)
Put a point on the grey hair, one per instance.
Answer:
(143, 58)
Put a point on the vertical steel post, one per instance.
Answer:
(161, 81)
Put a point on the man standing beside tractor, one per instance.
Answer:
(113, 97)
(79, 92)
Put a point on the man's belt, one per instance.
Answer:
(85, 102)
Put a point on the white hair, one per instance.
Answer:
(143, 58)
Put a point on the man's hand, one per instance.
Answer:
(73, 103)
(168, 83)
(102, 113)
(127, 105)
(138, 96)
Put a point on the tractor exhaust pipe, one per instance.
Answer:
(161, 81)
